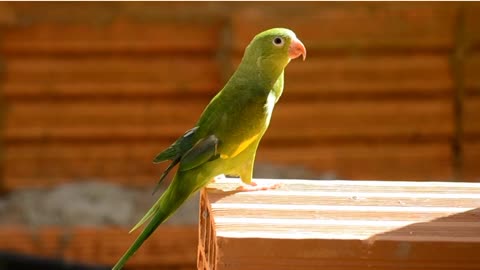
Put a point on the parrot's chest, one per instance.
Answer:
(270, 104)
(249, 126)
(256, 114)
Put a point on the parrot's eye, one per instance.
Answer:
(278, 41)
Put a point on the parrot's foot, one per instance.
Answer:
(256, 187)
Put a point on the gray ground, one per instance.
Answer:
(96, 203)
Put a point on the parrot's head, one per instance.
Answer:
(270, 51)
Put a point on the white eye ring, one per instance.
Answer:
(278, 41)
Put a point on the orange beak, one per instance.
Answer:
(296, 49)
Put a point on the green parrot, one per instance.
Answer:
(225, 139)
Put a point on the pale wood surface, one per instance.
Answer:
(342, 225)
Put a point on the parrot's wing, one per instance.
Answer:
(174, 153)
(178, 148)
(203, 151)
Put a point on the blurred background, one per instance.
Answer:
(91, 92)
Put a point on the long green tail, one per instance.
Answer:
(165, 206)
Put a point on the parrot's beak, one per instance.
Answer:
(296, 49)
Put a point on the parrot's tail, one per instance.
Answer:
(165, 206)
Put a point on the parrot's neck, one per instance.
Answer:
(261, 75)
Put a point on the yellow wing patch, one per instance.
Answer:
(242, 146)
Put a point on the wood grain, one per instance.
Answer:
(97, 92)
(170, 247)
(109, 90)
(472, 65)
(471, 157)
(118, 37)
(472, 34)
(472, 117)
(104, 69)
(391, 27)
(129, 163)
(314, 120)
(343, 224)
(327, 75)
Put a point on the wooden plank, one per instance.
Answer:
(7, 15)
(397, 161)
(109, 113)
(359, 74)
(121, 36)
(98, 14)
(101, 133)
(74, 150)
(408, 161)
(131, 90)
(145, 151)
(23, 242)
(389, 26)
(471, 115)
(67, 13)
(472, 67)
(45, 166)
(471, 157)
(51, 70)
(175, 244)
(44, 242)
(471, 21)
(181, 250)
(292, 120)
(80, 169)
(344, 119)
(46, 181)
(48, 164)
(357, 232)
(362, 74)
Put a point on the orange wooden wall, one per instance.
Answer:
(95, 90)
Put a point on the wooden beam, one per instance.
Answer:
(333, 225)
(171, 247)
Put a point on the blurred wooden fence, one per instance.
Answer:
(95, 90)
(103, 246)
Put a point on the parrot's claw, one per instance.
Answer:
(256, 187)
